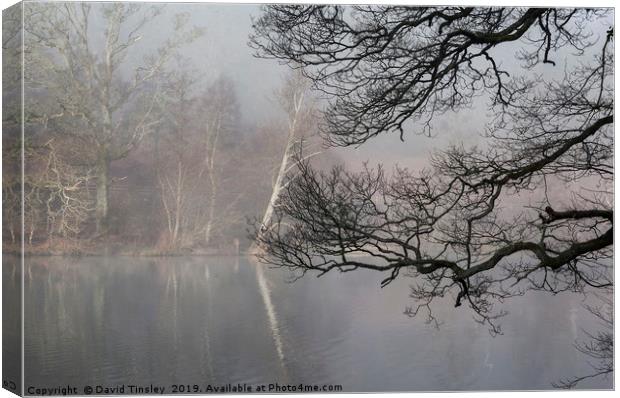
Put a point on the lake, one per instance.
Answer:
(216, 320)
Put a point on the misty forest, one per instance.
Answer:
(131, 148)
(466, 151)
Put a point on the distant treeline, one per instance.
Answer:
(191, 184)
(135, 156)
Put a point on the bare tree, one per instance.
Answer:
(219, 121)
(599, 347)
(300, 109)
(11, 209)
(56, 194)
(171, 144)
(479, 222)
(101, 96)
(193, 149)
(11, 122)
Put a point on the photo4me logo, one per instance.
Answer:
(303, 387)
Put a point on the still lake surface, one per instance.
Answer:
(218, 320)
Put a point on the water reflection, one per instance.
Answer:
(223, 320)
(11, 323)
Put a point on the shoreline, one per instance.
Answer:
(111, 251)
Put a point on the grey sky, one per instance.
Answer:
(224, 51)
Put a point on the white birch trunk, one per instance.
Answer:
(295, 105)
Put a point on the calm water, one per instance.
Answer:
(220, 320)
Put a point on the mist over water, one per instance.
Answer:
(181, 163)
(123, 320)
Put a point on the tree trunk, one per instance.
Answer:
(211, 214)
(210, 162)
(101, 205)
(178, 203)
(296, 104)
(277, 187)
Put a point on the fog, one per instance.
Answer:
(161, 141)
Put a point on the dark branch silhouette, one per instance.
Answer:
(600, 345)
(389, 65)
(466, 224)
